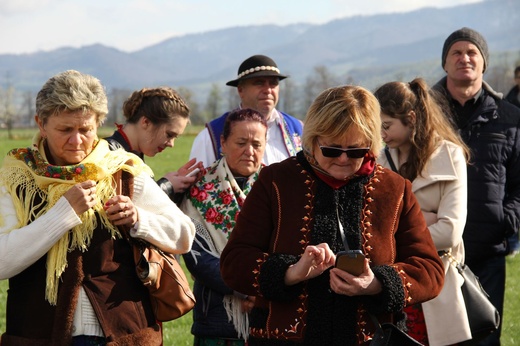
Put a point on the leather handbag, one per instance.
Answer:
(170, 293)
(483, 317)
(388, 334)
(161, 273)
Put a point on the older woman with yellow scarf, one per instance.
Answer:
(71, 273)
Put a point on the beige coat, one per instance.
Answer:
(442, 189)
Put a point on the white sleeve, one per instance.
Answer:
(21, 247)
(451, 214)
(161, 222)
(202, 148)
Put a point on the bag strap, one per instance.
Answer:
(453, 260)
(124, 185)
(390, 160)
(376, 322)
(342, 231)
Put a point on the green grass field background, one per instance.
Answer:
(178, 332)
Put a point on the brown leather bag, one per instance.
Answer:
(160, 272)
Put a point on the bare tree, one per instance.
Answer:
(499, 74)
(116, 99)
(214, 102)
(349, 80)
(319, 80)
(399, 76)
(196, 117)
(7, 107)
(309, 93)
(288, 98)
(28, 107)
(233, 99)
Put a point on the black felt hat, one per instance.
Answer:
(256, 66)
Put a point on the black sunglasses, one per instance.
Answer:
(352, 153)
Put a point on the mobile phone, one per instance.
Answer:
(351, 261)
(194, 172)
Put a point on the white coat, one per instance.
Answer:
(442, 189)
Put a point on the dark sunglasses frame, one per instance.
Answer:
(352, 153)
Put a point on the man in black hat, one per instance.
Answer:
(257, 84)
(490, 126)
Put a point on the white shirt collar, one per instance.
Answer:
(273, 117)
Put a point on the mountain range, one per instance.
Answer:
(365, 49)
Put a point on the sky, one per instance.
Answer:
(28, 26)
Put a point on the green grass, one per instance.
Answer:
(178, 332)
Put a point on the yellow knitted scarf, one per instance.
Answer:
(43, 184)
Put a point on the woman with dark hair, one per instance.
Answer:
(220, 314)
(422, 146)
(155, 117)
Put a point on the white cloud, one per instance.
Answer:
(32, 25)
(16, 7)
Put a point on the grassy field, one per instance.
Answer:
(178, 332)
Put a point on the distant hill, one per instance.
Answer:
(367, 50)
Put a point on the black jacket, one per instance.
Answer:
(209, 315)
(512, 96)
(493, 135)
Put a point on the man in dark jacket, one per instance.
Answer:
(490, 126)
(513, 95)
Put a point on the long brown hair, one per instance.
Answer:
(397, 100)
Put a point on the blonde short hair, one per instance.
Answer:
(336, 110)
(72, 91)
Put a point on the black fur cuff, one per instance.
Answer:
(391, 299)
(272, 278)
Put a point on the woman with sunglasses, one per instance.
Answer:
(303, 211)
(422, 146)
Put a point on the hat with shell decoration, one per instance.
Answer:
(257, 66)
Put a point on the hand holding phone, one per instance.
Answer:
(352, 261)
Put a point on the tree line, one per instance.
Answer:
(17, 108)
